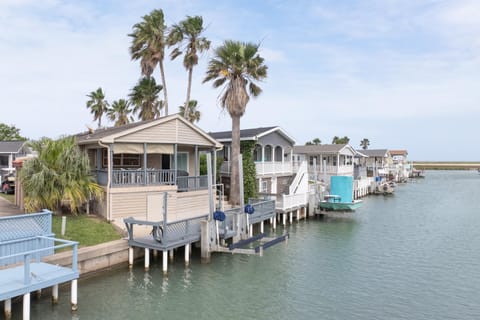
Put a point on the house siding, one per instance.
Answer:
(187, 135)
(165, 133)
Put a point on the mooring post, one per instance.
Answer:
(8, 308)
(130, 257)
(26, 306)
(290, 217)
(147, 258)
(74, 295)
(261, 227)
(187, 254)
(55, 294)
(165, 261)
(284, 218)
(205, 241)
(274, 223)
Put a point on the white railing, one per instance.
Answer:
(262, 168)
(290, 201)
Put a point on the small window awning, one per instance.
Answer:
(137, 148)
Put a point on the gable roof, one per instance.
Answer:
(322, 148)
(250, 134)
(383, 153)
(109, 135)
(11, 146)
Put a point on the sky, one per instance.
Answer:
(402, 73)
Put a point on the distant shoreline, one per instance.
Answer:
(446, 165)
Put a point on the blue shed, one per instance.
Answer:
(342, 186)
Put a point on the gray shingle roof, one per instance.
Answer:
(374, 152)
(101, 133)
(11, 146)
(244, 134)
(320, 148)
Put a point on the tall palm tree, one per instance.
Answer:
(60, 174)
(120, 112)
(97, 105)
(364, 143)
(235, 66)
(186, 37)
(148, 46)
(193, 115)
(144, 97)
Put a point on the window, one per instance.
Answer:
(123, 160)
(278, 154)
(257, 153)
(268, 153)
(182, 161)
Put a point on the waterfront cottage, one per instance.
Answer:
(276, 176)
(376, 161)
(136, 163)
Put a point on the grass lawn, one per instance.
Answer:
(9, 197)
(87, 230)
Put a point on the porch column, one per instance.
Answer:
(196, 173)
(338, 162)
(99, 159)
(144, 163)
(175, 148)
(263, 159)
(110, 164)
(214, 166)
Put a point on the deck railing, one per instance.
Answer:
(129, 177)
(267, 167)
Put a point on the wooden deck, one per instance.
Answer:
(42, 275)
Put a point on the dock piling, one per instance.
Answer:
(55, 294)
(165, 261)
(187, 254)
(26, 306)
(8, 308)
(130, 257)
(74, 295)
(147, 258)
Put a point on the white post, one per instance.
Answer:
(64, 225)
(26, 306)
(130, 257)
(187, 254)
(274, 223)
(261, 227)
(74, 295)
(165, 261)
(147, 258)
(55, 294)
(284, 218)
(290, 217)
(8, 309)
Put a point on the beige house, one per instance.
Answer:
(138, 162)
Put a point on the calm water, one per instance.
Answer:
(415, 255)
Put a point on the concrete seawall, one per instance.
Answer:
(96, 258)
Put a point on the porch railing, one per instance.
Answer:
(269, 167)
(129, 177)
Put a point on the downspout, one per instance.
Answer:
(109, 180)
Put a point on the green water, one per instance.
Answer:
(415, 255)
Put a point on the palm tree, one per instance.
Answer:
(97, 105)
(120, 112)
(186, 37)
(192, 114)
(235, 66)
(315, 141)
(59, 175)
(148, 46)
(364, 143)
(144, 97)
(337, 140)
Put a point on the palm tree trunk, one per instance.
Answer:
(234, 175)
(164, 83)
(189, 88)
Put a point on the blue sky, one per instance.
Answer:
(402, 73)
